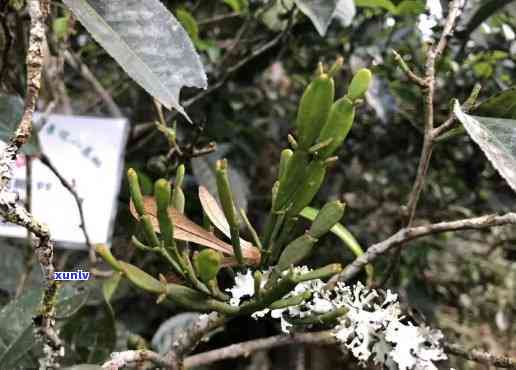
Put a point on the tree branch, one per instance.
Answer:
(426, 152)
(407, 234)
(480, 356)
(246, 348)
(13, 212)
(47, 162)
(189, 339)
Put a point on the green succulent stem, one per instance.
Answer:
(320, 273)
(135, 191)
(324, 318)
(140, 245)
(148, 228)
(228, 206)
(192, 277)
(268, 296)
(257, 276)
(178, 197)
(291, 301)
(104, 251)
(252, 230)
(213, 285)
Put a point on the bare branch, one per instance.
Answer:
(426, 152)
(410, 74)
(85, 72)
(122, 359)
(480, 356)
(189, 339)
(78, 200)
(246, 348)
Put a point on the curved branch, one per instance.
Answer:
(407, 234)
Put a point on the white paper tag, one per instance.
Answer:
(88, 152)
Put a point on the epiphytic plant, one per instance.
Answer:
(268, 276)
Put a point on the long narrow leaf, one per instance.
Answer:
(216, 215)
(497, 139)
(147, 41)
(187, 230)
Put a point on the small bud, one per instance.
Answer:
(207, 264)
(337, 127)
(228, 207)
(314, 108)
(135, 191)
(162, 193)
(359, 84)
(286, 155)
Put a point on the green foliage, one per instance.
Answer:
(495, 136)
(501, 105)
(301, 173)
(112, 31)
(237, 5)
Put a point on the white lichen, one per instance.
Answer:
(373, 327)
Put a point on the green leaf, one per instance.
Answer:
(17, 349)
(237, 5)
(90, 335)
(140, 278)
(11, 111)
(71, 297)
(60, 27)
(320, 12)
(109, 287)
(497, 139)
(410, 7)
(385, 4)
(148, 42)
(501, 105)
(343, 234)
(189, 23)
(16, 326)
(15, 319)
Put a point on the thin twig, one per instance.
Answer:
(78, 200)
(480, 356)
(428, 85)
(255, 53)
(410, 74)
(218, 18)
(407, 234)
(85, 72)
(426, 153)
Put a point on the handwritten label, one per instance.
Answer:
(88, 153)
